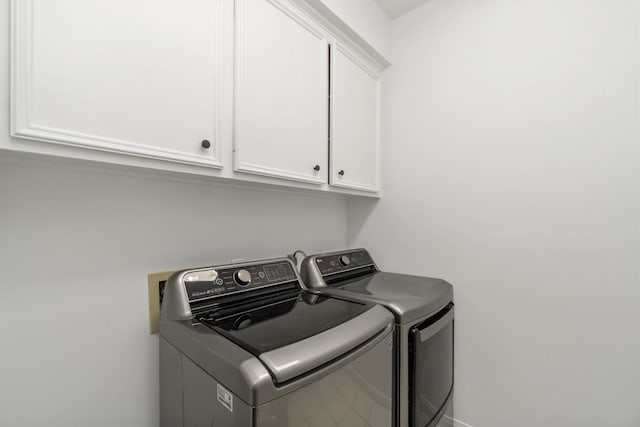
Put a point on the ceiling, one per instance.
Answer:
(395, 8)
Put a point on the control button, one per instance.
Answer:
(242, 277)
(344, 260)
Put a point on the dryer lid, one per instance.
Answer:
(408, 297)
(300, 331)
(352, 274)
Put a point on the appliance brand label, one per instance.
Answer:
(225, 397)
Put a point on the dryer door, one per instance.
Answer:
(431, 368)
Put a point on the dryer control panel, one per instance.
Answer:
(328, 269)
(344, 261)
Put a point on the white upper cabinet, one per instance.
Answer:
(281, 92)
(140, 77)
(278, 91)
(355, 121)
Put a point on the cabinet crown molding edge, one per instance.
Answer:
(343, 32)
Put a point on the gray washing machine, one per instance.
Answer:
(245, 345)
(424, 317)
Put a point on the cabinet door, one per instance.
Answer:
(281, 97)
(355, 127)
(141, 77)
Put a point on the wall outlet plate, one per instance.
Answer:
(156, 283)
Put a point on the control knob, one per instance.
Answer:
(242, 277)
(345, 260)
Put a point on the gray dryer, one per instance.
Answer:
(424, 317)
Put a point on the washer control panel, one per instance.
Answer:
(212, 282)
(336, 263)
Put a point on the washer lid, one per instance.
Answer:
(408, 297)
(300, 331)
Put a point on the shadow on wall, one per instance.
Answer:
(359, 210)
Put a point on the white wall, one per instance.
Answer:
(77, 242)
(512, 168)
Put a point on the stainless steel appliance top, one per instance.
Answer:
(353, 274)
(254, 324)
